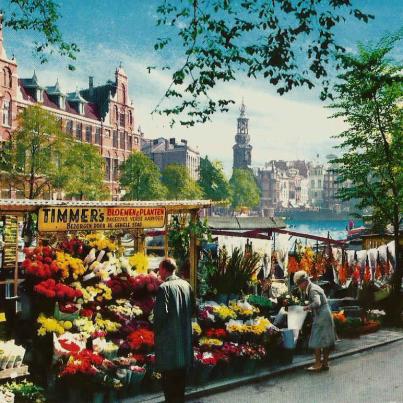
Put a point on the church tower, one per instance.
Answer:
(242, 148)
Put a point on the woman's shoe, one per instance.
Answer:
(314, 369)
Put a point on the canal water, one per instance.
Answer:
(336, 229)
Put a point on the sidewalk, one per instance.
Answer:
(343, 348)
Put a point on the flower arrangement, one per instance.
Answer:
(52, 289)
(26, 391)
(74, 247)
(141, 339)
(216, 333)
(52, 325)
(40, 262)
(106, 324)
(84, 362)
(125, 309)
(204, 358)
(101, 242)
(243, 308)
(69, 265)
(85, 326)
(140, 262)
(210, 342)
(196, 329)
(224, 312)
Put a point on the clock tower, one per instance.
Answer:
(242, 148)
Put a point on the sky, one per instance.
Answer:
(294, 126)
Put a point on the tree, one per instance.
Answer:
(369, 100)
(180, 185)
(213, 182)
(84, 173)
(140, 178)
(35, 154)
(290, 43)
(244, 189)
(41, 16)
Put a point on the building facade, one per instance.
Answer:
(283, 184)
(316, 180)
(242, 149)
(99, 115)
(165, 152)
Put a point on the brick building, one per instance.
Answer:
(100, 115)
(165, 152)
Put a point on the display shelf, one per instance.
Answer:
(14, 372)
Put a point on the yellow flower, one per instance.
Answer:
(101, 242)
(49, 325)
(205, 341)
(140, 262)
(196, 328)
(69, 265)
(106, 324)
(224, 312)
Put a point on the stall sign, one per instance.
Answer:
(53, 219)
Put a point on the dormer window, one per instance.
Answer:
(77, 101)
(62, 102)
(39, 95)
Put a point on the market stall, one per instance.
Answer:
(83, 294)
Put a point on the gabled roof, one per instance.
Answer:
(55, 89)
(90, 109)
(31, 82)
(76, 97)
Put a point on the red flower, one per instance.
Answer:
(216, 333)
(141, 338)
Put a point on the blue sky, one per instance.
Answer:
(113, 31)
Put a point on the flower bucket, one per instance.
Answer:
(249, 366)
(288, 338)
(201, 374)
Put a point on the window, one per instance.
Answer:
(136, 140)
(115, 139)
(98, 135)
(116, 113)
(6, 113)
(79, 131)
(130, 118)
(313, 183)
(129, 142)
(7, 78)
(123, 94)
(122, 140)
(107, 169)
(69, 127)
(88, 134)
(122, 119)
(115, 169)
(319, 183)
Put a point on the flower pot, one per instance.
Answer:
(249, 366)
(201, 374)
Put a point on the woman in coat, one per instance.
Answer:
(322, 333)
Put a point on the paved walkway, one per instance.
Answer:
(343, 348)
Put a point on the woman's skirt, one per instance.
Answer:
(322, 333)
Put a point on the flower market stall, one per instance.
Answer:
(85, 308)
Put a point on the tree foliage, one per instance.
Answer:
(180, 185)
(213, 182)
(41, 16)
(369, 100)
(140, 178)
(35, 154)
(290, 43)
(244, 189)
(84, 173)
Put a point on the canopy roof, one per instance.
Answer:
(26, 205)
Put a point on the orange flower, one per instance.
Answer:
(339, 317)
(378, 271)
(342, 274)
(292, 265)
(367, 274)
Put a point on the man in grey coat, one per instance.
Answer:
(173, 331)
